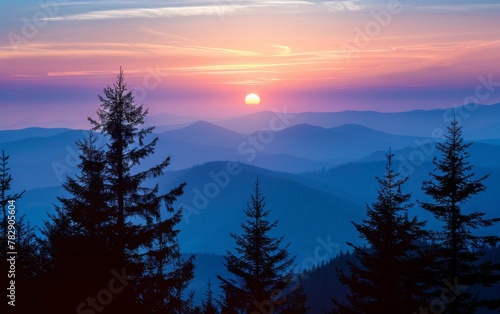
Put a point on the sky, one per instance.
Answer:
(200, 58)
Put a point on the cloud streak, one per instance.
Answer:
(270, 45)
(215, 9)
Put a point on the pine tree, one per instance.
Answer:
(451, 185)
(388, 276)
(191, 308)
(17, 236)
(208, 305)
(119, 120)
(167, 273)
(296, 297)
(113, 224)
(181, 273)
(80, 238)
(260, 268)
(5, 181)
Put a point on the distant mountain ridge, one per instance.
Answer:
(297, 148)
(16, 135)
(304, 213)
(346, 141)
(480, 120)
(317, 178)
(205, 134)
(213, 204)
(311, 206)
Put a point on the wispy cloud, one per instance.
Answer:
(458, 8)
(223, 51)
(283, 50)
(257, 81)
(216, 8)
(149, 13)
(68, 50)
(78, 73)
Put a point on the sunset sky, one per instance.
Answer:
(200, 58)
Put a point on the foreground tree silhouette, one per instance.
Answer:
(296, 302)
(23, 241)
(80, 239)
(208, 305)
(451, 185)
(167, 277)
(112, 225)
(5, 197)
(389, 275)
(260, 269)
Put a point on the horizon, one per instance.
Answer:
(212, 120)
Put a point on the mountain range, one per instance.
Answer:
(318, 174)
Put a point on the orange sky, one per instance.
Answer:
(202, 58)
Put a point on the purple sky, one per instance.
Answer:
(200, 58)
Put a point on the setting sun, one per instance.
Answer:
(252, 99)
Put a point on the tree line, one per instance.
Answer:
(405, 265)
(112, 245)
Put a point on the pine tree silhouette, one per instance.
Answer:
(5, 197)
(451, 185)
(208, 305)
(260, 267)
(17, 235)
(389, 276)
(113, 225)
(296, 302)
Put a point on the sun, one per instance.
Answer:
(252, 99)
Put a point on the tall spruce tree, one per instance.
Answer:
(388, 276)
(180, 274)
(296, 297)
(80, 236)
(5, 196)
(120, 120)
(260, 268)
(451, 185)
(208, 305)
(114, 223)
(167, 272)
(17, 236)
